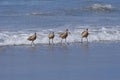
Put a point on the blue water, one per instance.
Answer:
(20, 19)
(68, 62)
(24, 14)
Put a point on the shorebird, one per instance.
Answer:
(32, 38)
(64, 35)
(84, 35)
(51, 36)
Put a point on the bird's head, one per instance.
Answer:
(52, 32)
(66, 29)
(86, 29)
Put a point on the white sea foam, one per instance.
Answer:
(100, 7)
(95, 34)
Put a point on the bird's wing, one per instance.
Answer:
(83, 32)
(61, 34)
(49, 35)
(29, 38)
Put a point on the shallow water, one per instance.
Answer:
(67, 62)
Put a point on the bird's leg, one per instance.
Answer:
(87, 39)
(49, 41)
(32, 43)
(81, 40)
(61, 40)
(52, 41)
(65, 39)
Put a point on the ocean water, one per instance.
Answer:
(97, 60)
(19, 19)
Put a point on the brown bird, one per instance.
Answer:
(32, 38)
(84, 35)
(64, 35)
(51, 36)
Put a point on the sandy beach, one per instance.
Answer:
(76, 61)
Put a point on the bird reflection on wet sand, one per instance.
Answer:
(85, 47)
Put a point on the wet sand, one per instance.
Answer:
(87, 61)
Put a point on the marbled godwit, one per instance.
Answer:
(85, 35)
(64, 35)
(32, 38)
(51, 36)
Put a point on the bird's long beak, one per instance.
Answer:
(69, 33)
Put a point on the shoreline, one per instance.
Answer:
(67, 43)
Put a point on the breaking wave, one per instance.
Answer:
(77, 11)
(97, 34)
(100, 7)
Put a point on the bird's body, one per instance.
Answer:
(85, 35)
(51, 36)
(32, 38)
(64, 35)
